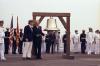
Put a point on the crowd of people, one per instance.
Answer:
(14, 46)
(90, 42)
(30, 41)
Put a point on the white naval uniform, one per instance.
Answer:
(90, 40)
(43, 46)
(57, 42)
(75, 39)
(97, 44)
(2, 49)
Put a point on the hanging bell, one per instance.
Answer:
(51, 25)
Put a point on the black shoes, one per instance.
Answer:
(38, 58)
(27, 58)
(13, 52)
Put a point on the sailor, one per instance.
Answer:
(2, 36)
(6, 41)
(76, 41)
(64, 40)
(83, 41)
(57, 41)
(97, 42)
(90, 40)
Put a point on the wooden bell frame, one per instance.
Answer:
(65, 23)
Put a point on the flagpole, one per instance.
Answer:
(11, 35)
(17, 33)
(11, 31)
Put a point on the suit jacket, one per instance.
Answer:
(83, 38)
(21, 36)
(64, 39)
(7, 34)
(37, 33)
(48, 38)
(52, 38)
(28, 33)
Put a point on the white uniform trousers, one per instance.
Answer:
(2, 51)
(76, 46)
(89, 47)
(97, 50)
(27, 48)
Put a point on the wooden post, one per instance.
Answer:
(68, 56)
(68, 35)
(41, 18)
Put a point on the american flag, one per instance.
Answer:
(11, 31)
(17, 33)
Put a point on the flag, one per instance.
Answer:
(11, 31)
(17, 33)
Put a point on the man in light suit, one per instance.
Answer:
(2, 35)
(28, 40)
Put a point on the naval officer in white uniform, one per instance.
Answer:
(2, 35)
(90, 41)
(97, 42)
(76, 41)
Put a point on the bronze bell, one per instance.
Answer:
(51, 25)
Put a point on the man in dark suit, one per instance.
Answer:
(14, 46)
(6, 40)
(83, 41)
(37, 39)
(64, 39)
(48, 42)
(20, 42)
(52, 41)
(28, 40)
